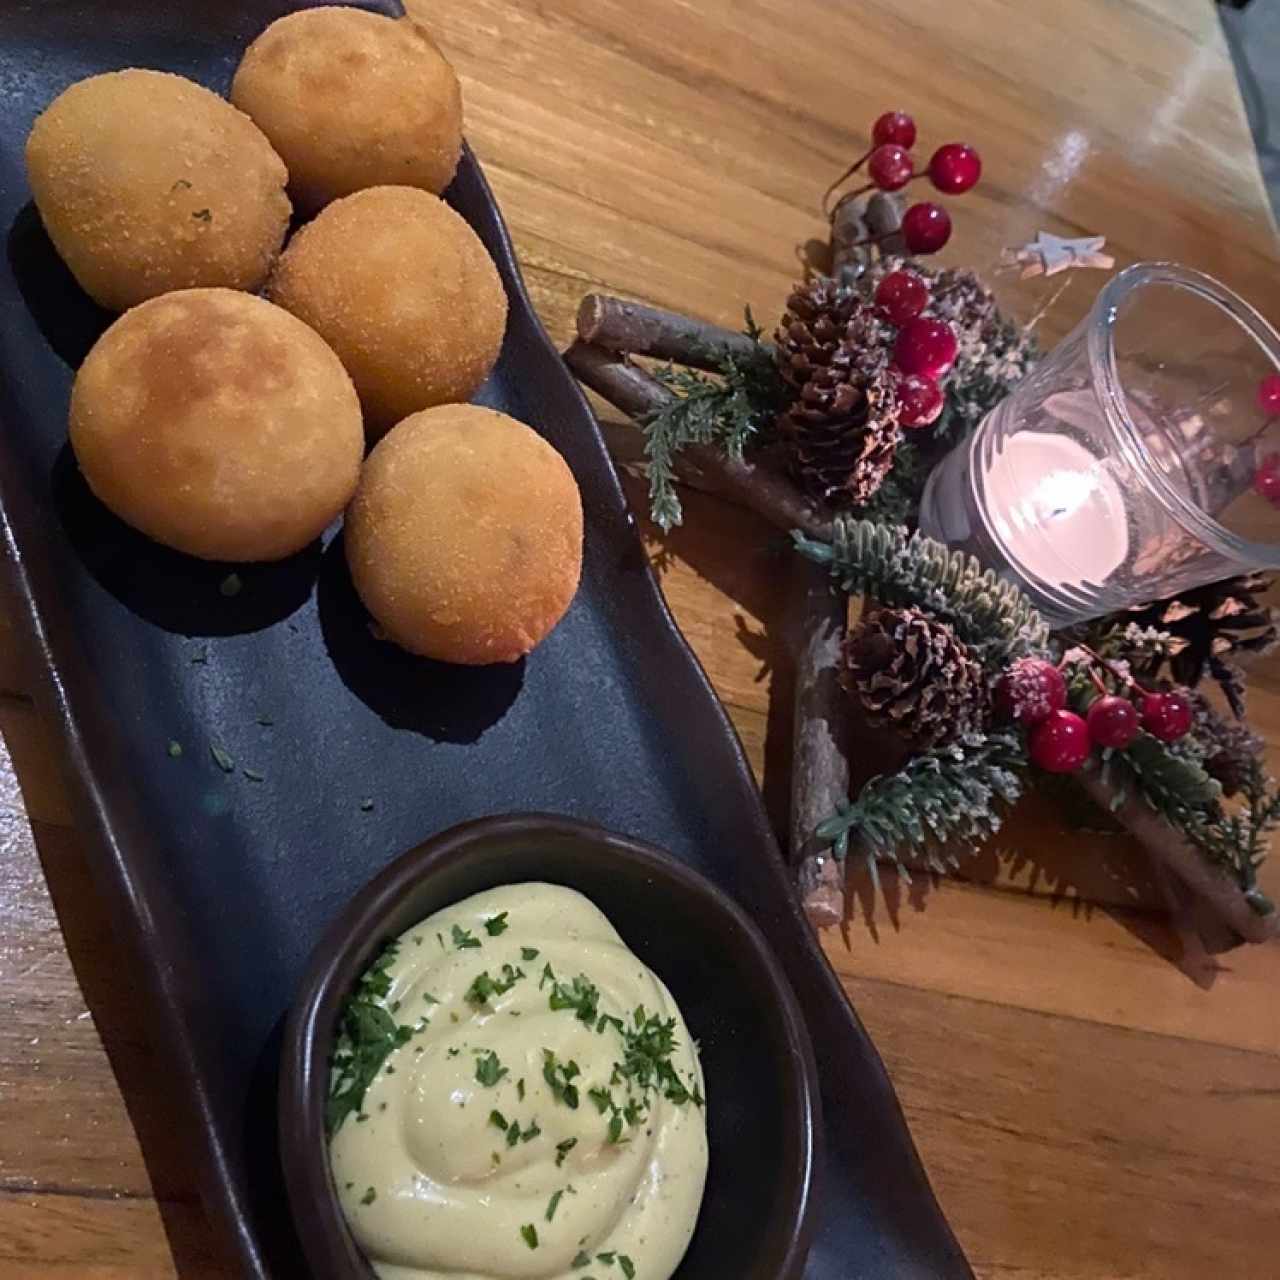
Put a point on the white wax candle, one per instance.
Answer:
(1057, 513)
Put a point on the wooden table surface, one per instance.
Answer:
(1089, 1101)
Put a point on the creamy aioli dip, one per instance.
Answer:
(541, 1114)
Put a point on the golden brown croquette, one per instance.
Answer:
(147, 182)
(403, 290)
(465, 535)
(218, 424)
(352, 100)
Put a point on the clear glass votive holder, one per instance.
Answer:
(1122, 468)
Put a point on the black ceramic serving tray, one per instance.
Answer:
(221, 883)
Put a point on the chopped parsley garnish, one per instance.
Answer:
(633, 1112)
(426, 995)
(230, 585)
(498, 1120)
(463, 938)
(221, 758)
(607, 1257)
(489, 1070)
(615, 1127)
(366, 1035)
(646, 1063)
(548, 975)
(529, 1234)
(495, 925)
(369, 1196)
(553, 1204)
(265, 721)
(366, 805)
(174, 749)
(628, 1267)
(484, 988)
(601, 1097)
(520, 1088)
(580, 1259)
(203, 215)
(563, 1149)
(579, 995)
(608, 1020)
(253, 775)
(527, 1134)
(559, 1077)
(528, 954)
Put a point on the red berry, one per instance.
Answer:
(1166, 716)
(1113, 722)
(920, 400)
(902, 295)
(1269, 395)
(926, 227)
(925, 345)
(1266, 480)
(1059, 744)
(890, 167)
(1030, 691)
(894, 126)
(955, 168)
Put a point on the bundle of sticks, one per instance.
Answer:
(1207, 906)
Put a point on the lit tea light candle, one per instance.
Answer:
(1056, 512)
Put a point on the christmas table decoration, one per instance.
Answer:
(948, 678)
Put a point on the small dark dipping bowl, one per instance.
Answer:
(763, 1118)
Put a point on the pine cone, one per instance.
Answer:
(812, 332)
(1209, 625)
(915, 674)
(842, 431)
(1234, 751)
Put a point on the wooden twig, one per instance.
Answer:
(619, 325)
(638, 394)
(624, 385)
(820, 743)
(850, 253)
(1188, 863)
(856, 222)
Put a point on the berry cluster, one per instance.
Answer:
(924, 349)
(954, 168)
(1033, 694)
(1266, 480)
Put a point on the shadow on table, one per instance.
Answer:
(1084, 869)
(749, 561)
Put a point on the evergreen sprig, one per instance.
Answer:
(991, 616)
(731, 408)
(948, 799)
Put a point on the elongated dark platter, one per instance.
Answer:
(222, 883)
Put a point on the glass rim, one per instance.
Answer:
(1101, 325)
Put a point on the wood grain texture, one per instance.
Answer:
(1089, 1102)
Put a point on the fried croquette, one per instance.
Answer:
(148, 182)
(218, 424)
(465, 536)
(403, 290)
(352, 100)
